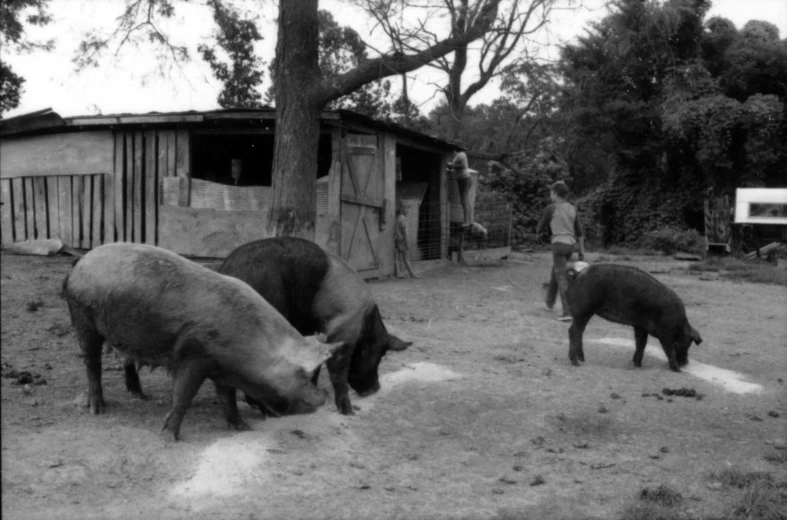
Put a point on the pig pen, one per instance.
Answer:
(483, 417)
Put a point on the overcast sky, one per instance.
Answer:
(131, 83)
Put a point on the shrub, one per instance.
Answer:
(671, 240)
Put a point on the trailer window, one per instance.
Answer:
(767, 210)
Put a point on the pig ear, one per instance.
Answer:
(695, 336)
(396, 344)
(317, 352)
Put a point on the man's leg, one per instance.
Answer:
(562, 253)
(464, 184)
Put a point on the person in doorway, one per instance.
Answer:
(564, 222)
(401, 241)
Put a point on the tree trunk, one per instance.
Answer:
(293, 210)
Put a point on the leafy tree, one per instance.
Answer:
(672, 107)
(14, 16)
(243, 74)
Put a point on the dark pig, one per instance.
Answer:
(320, 293)
(629, 296)
(157, 308)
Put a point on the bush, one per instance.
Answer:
(671, 240)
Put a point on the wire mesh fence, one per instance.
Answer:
(432, 235)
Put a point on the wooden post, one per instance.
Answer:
(77, 199)
(64, 210)
(39, 206)
(30, 208)
(333, 243)
(18, 189)
(7, 236)
(98, 210)
(86, 207)
(53, 211)
(150, 187)
(139, 173)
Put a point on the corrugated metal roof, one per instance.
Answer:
(47, 121)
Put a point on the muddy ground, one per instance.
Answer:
(482, 418)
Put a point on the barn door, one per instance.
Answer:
(362, 201)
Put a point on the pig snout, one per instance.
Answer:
(365, 386)
(307, 401)
(371, 390)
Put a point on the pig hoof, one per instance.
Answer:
(581, 357)
(97, 406)
(347, 410)
(170, 437)
(140, 395)
(638, 364)
(239, 425)
(575, 362)
(675, 368)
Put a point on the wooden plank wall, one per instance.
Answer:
(61, 207)
(142, 159)
(86, 210)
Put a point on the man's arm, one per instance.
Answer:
(546, 218)
(580, 236)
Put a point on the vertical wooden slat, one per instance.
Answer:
(86, 209)
(128, 187)
(39, 187)
(182, 157)
(64, 209)
(139, 157)
(161, 172)
(171, 153)
(109, 190)
(6, 213)
(120, 183)
(18, 189)
(53, 207)
(98, 210)
(77, 196)
(30, 208)
(150, 187)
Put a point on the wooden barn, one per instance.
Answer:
(199, 183)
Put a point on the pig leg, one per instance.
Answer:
(669, 349)
(640, 339)
(575, 332)
(189, 376)
(227, 396)
(338, 368)
(132, 379)
(91, 343)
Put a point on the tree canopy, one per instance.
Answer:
(672, 105)
(15, 16)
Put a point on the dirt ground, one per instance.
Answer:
(483, 417)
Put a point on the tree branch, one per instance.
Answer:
(392, 64)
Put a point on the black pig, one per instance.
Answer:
(319, 292)
(629, 296)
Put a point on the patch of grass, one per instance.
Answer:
(761, 501)
(587, 423)
(733, 477)
(622, 250)
(738, 269)
(778, 456)
(662, 495)
(650, 511)
(761, 274)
